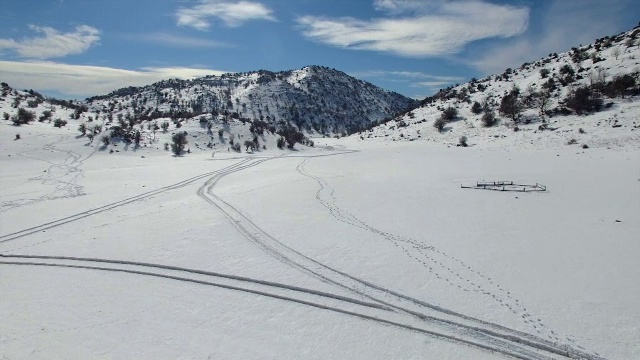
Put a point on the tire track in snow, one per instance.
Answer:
(113, 205)
(281, 297)
(507, 344)
(55, 223)
(503, 339)
(72, 261)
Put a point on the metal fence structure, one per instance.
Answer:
(505, 186)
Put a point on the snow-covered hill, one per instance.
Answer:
(587, 96)
(314, 98)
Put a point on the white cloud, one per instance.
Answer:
(231, 13)
(431, 28)
(431, 84)
(404, 6)
(415, 79)
(406, 75)
(53, 43)
(84, 80)
(178, 41)
(567, 23)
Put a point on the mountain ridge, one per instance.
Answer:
(314, 98)
(589, 94)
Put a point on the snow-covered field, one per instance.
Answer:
(349, 250)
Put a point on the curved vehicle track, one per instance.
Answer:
(405, 311)
(48, 225)
(168, 271)
(314, 304)
(240, 165)
(457, 327)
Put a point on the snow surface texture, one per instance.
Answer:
(346, 250)
(617, 126)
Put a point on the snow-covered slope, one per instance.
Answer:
(319, 253)
(205, 133)
(314, 98)
(317, 100)
(539, 125)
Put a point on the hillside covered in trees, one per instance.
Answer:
(315, 99)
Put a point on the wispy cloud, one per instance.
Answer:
(431, 84)
(230, 13)
(414, 79)
(406, 6)
(419, 28)
(53, 43)
(567, 23)
(84, 80)
(407, 75)
(178, 41)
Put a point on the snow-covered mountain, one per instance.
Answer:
(314, 98)
(587, 96)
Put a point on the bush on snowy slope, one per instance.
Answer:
(623, 85)
(476, 108)
(23, 117)
(46, 115)
(59, 123)
(449, 114)
(584, 100)
(179, 142)
(511, 105)
(489, 119)
(440, 123)
(291, 135)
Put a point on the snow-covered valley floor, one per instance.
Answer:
(350, 250)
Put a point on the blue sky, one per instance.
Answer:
(79, 48)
